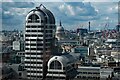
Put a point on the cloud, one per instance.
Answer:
(70, 13)
(13, 14)
(8, 5)
(76, 12)
(79, 9)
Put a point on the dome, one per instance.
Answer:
(43, 14)
(60, 28)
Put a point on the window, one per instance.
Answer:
(20, 68)
(27, 26)
(33, 19)
(20, 74)
(40, 35)
(27, 48)
(55, 65)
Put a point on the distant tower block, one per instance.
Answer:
(118, 27)
(89, 26)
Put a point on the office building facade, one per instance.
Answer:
(39, 40)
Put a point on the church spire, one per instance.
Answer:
(60, 23)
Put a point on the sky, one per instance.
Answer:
(72, 14)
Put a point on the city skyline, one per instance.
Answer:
(72, 14)
(47, 50)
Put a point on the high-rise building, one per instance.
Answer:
(39, 41)
(118, 27)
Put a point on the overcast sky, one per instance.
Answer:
(72, 14)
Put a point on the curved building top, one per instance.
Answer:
(43, 14)
(64, 59)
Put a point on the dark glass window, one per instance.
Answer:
(27, 30)
(27, 26)
(40, 35)
(55, 65)
(33, 35)
(27, 35)
(20, 74)
(48, 35)
(27, 48)
(33, 19)
(48, 40)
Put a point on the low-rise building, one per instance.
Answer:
(88, 73)
(62, 67)
(19, 69)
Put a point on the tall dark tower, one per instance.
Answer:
(118, 27)
(89, 26)
(39, 30)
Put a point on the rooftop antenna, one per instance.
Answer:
(41, 6)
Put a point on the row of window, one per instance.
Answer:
(33, 48)
(49, 27)
(55, 77)
(34, 30)
(34, 58)
(37, 35)
(37, 38)
(33, 44)
(57, 72)
(37, 54)
(33, 21)
(84, 77)
(39, 67)
(34, 76)
(36, 48)
(34, 39)
(34, 26)
(46, 40)
(30, 62)
(37, 44)
(33, 35)
(34, 71)
(47, 31)
(33, 53)
(89, 73)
